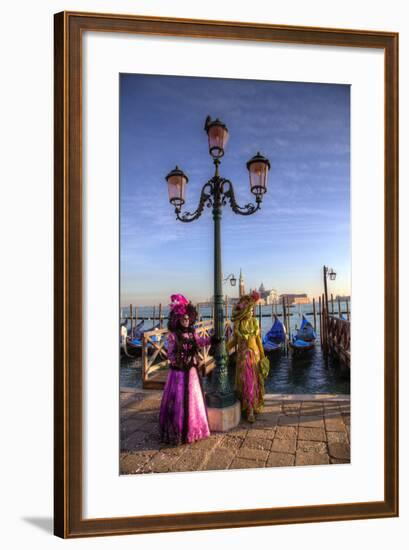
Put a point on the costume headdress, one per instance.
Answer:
(245, 305)
(179, 307)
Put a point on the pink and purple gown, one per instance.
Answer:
(183, 415)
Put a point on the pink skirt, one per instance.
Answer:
(183, 415)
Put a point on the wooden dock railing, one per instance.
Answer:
(338, 338)
(155, 359)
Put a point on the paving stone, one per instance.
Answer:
(284, 445)
(239, 431)
(272, 407)
(242, 463)
(311, 434)
(189, 461)
(339, 450)
(271, 440)
(208, 443)
(280, 459)
(257, 443)
(347, 419)
(312, 446)
(150, 427)
(331, 407)
(339, 461)
(172, 450)
(161, 462)
(252, 454)
(219, 459)
(308, 408)
(267, 433)
(304, 459)
(145, 417)
(291, 408)
(135, 462)
(146, 405)
(313, 421)
(129, 426)
(137, 441)
(265, 420)
(337, 437)
(285, 432)
(230, 442)
(288, 420)
(334, 424)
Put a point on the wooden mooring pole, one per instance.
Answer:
(347, 304)
(332, 304)
(320, 315)
(130, 314)
(315, 314)
(325, 327)
(339, 308)
(160, 315)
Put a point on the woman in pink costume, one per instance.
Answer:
(183, 414)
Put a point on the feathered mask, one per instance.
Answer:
(179, 307)
(245, 305)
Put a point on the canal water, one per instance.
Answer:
(308, 373)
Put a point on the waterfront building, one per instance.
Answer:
(295, 298)
(268, 297)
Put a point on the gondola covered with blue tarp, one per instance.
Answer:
(304, 339)
(274, 339)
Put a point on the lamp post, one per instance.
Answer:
(230, 278)
(328, 272)
(215, 193)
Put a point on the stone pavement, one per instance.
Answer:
(289, 432)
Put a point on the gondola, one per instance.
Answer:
(133, 343)
(304, 339)
(274, 339)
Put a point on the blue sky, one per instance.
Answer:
(304, 223)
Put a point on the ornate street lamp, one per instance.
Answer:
(216, 193)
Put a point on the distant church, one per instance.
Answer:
(242, 291)
(266, 296)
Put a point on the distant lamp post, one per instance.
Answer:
(328, 272)
(215, 193)
(230, 278)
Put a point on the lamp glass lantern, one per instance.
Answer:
(332, 275)
(233, 281)
(177, 181)
(258, 168)
(218, 136)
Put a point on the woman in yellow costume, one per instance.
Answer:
(251, 364)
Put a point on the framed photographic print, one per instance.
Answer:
(226, 238)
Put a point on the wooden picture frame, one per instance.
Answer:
(68, 262)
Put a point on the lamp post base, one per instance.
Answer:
(224, 419)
